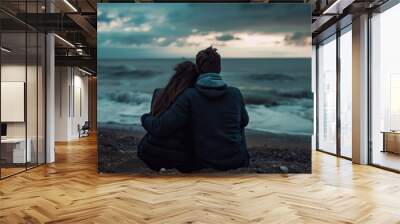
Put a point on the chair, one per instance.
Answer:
(84, 130)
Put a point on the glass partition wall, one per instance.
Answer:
(345, 108)
(385, 89)
(22, 77)
(327, 95)
(334, 93)
(13, 110)
(334, 105)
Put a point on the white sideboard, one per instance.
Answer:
(19, 153)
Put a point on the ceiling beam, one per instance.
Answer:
(338, 6)
(84, 24)
(78, 61)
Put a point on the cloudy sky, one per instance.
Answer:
(181, 30)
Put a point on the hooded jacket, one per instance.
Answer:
(217, 116)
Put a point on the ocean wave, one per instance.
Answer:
(123, 113)
(290, 118)
(129, 97)
(125, 72)
(268, 102)
(112, 68)
(277, 93)
(301, 109)
(136, 74)
(279, 119)
(296, 94)
(275, 98)
(269, 77)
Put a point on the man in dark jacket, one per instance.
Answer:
(216, 113)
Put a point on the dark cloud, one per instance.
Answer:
(102, 17)
(243, 17)
(298, 38)
(126, 38)
(140, 39)
(170, 24)
(226, 37)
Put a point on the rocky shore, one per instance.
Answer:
(117, 146)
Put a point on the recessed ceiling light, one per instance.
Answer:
(5, 50)
(70, 5)
(64, 40)
(337, 7)
(84, 71)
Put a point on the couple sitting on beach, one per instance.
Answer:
(197, 121)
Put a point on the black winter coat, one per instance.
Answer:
(217, 116)
(172, 151)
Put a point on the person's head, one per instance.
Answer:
(185, 76)
(208, 61)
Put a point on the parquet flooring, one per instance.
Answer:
(71, 191)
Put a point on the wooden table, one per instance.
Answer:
(391, 141)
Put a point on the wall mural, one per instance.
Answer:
(204, 88)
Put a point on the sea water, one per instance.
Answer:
(277, 92)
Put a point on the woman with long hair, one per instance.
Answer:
(175, 150)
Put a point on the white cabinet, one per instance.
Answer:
(19, 155)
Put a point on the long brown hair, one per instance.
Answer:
(185, 76)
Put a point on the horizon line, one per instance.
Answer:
(195, 58)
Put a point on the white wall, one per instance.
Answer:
(62, 81)
(70, 84)
(17, 73)
(12, 73)
(13, 101)
(80, 110)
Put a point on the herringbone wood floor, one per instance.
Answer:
(71, 191)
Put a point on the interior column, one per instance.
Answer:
(360, 90)
(50, 92)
